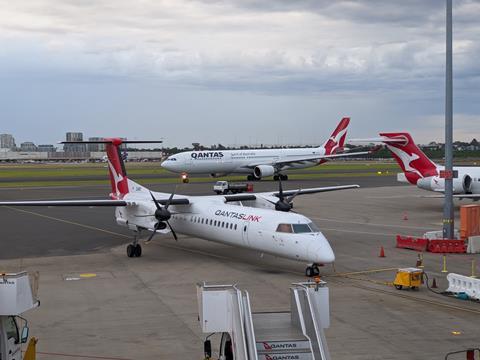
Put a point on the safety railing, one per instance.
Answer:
(310, 319)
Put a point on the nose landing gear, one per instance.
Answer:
(312, 270)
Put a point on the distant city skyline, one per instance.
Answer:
(234, 71)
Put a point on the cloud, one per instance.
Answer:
(265, 46)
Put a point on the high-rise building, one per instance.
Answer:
(96, 147)
(74, 136)
(7, 141)
(28, 146)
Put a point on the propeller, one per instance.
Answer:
(284, 203)
(162, 214)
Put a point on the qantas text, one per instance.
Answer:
(207, 155)
(235, 215)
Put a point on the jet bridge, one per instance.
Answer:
(246, 335)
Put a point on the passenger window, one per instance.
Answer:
(211, 221)
(235, 226)
(223, 224)
(215, 224)
(284, 228)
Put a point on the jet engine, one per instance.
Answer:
(462, 185)
(263, 171)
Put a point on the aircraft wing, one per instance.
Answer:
(107, 202)
(253, 196)
(301, 159)
(68, 203)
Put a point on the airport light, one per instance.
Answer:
(448, 210)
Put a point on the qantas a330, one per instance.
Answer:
(258, 221)
(259, 163)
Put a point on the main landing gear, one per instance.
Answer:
(312, 271)
(134, 249)
(282, 177)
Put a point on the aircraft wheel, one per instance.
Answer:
(275, 177)
(130, 250)
(137, 250)
(309, 271)
(283, 177)
(316, 270)
(250, 177)
(398, 287)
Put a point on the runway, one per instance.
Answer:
(145, 308)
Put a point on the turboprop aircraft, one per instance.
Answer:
(258, 221)
(419, 170)
(259, 163)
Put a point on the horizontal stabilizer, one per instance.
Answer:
(381, 139)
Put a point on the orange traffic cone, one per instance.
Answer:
(405, 216)
(434, 284)
(382, 252)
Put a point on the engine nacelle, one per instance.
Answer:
(263, 171)
(461, 185)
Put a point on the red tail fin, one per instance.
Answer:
(116, 168)
(414, 163)
(337, 139)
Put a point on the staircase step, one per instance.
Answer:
(286, 356)
(282, 346)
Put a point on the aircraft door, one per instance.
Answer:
(245, 227)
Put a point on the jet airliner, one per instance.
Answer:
(259, 163)
(419, 170)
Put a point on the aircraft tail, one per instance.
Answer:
(119, 181)
(413, 161)
(337, 139)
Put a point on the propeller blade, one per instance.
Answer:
(290, 198)
(173, 231)
(155, 201)
(170, 198)
(153, 233)
(280, 189)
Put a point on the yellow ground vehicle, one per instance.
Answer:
(408, 277)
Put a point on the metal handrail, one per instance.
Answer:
(461, 351)
(251, 340)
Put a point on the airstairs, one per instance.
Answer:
(296, 334)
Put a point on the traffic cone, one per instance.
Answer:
(434, 284)
(382, 252)
(405, 216)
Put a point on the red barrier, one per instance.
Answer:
(408, 242)
(447, 246)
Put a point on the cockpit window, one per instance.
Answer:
(301, 228)
(314, 227)
(172, 159)
(284, 228)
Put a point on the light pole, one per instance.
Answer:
(448, 215)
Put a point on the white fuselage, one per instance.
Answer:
(467, 182)
(238, 161)
(208, 217)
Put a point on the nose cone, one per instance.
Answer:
(320, 251)
(168, 164)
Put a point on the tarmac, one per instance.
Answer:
(98, 304)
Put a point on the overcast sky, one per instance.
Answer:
(234, 71)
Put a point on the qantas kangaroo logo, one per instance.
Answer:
(406, 159)
(118, 178)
